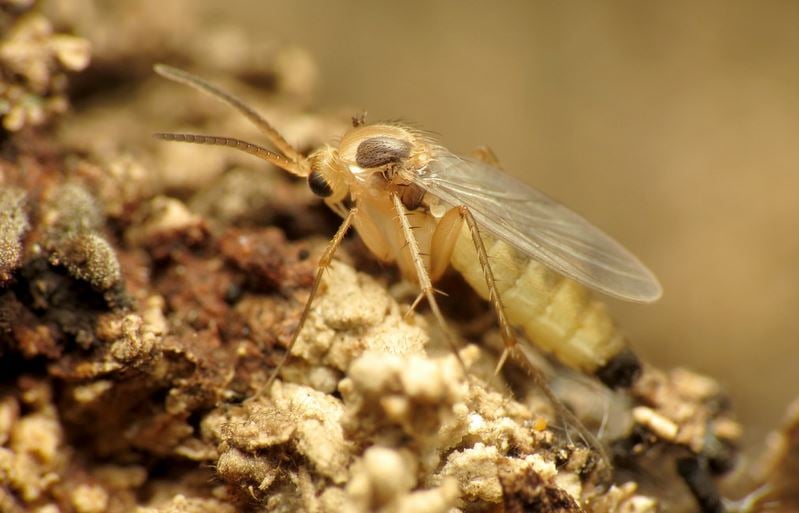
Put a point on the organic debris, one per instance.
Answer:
(13, 226)
(146, 296)
(34, 61)
(176, 371)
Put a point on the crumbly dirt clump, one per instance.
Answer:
(148, 290)
(136, 343)
(34, 62)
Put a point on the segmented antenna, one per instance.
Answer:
(231, 142)
(196, 82)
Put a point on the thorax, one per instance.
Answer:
(372, 163)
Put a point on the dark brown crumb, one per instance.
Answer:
(527, 491)
(146, 296)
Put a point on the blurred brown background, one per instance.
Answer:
(673, 125)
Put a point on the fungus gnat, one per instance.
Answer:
(414, 203)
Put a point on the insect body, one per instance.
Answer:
(557, 313)
(414, 203)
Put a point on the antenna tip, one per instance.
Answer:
(164, 70)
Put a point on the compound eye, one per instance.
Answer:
(319, 185)
(379, 151)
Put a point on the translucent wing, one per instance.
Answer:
(539, 226)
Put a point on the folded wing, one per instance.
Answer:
(539, 227)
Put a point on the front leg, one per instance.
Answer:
(324, 262)
(423, 276)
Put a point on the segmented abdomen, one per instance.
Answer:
(557, 314)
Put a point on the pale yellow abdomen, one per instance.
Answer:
(557, 314)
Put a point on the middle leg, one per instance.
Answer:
(512, 345)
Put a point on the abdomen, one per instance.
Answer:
(557, 314)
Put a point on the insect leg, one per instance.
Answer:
(512, 344)
(442, 245)
(422, 275)
(508, 336)
(413, 306)
(324, 261)
(445, 237)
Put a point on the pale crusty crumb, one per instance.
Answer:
(304, 419)
(655, 422)
(89, 499)
(623, 499)
(161, 216)
(319, 435)
(381, 476)
(91, 392)
(38, 435)
(129, 338)
(475, 469)
(440, 499)
(121, 477)
(237, 465)
(9, 414)
(383, 481)
(408, 433)
(33, 62)
(682, 407)
(257, 425)
(183, 504)
(354, 315)
(32, 457)
(47, 508)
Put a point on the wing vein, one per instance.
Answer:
(539, 227)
